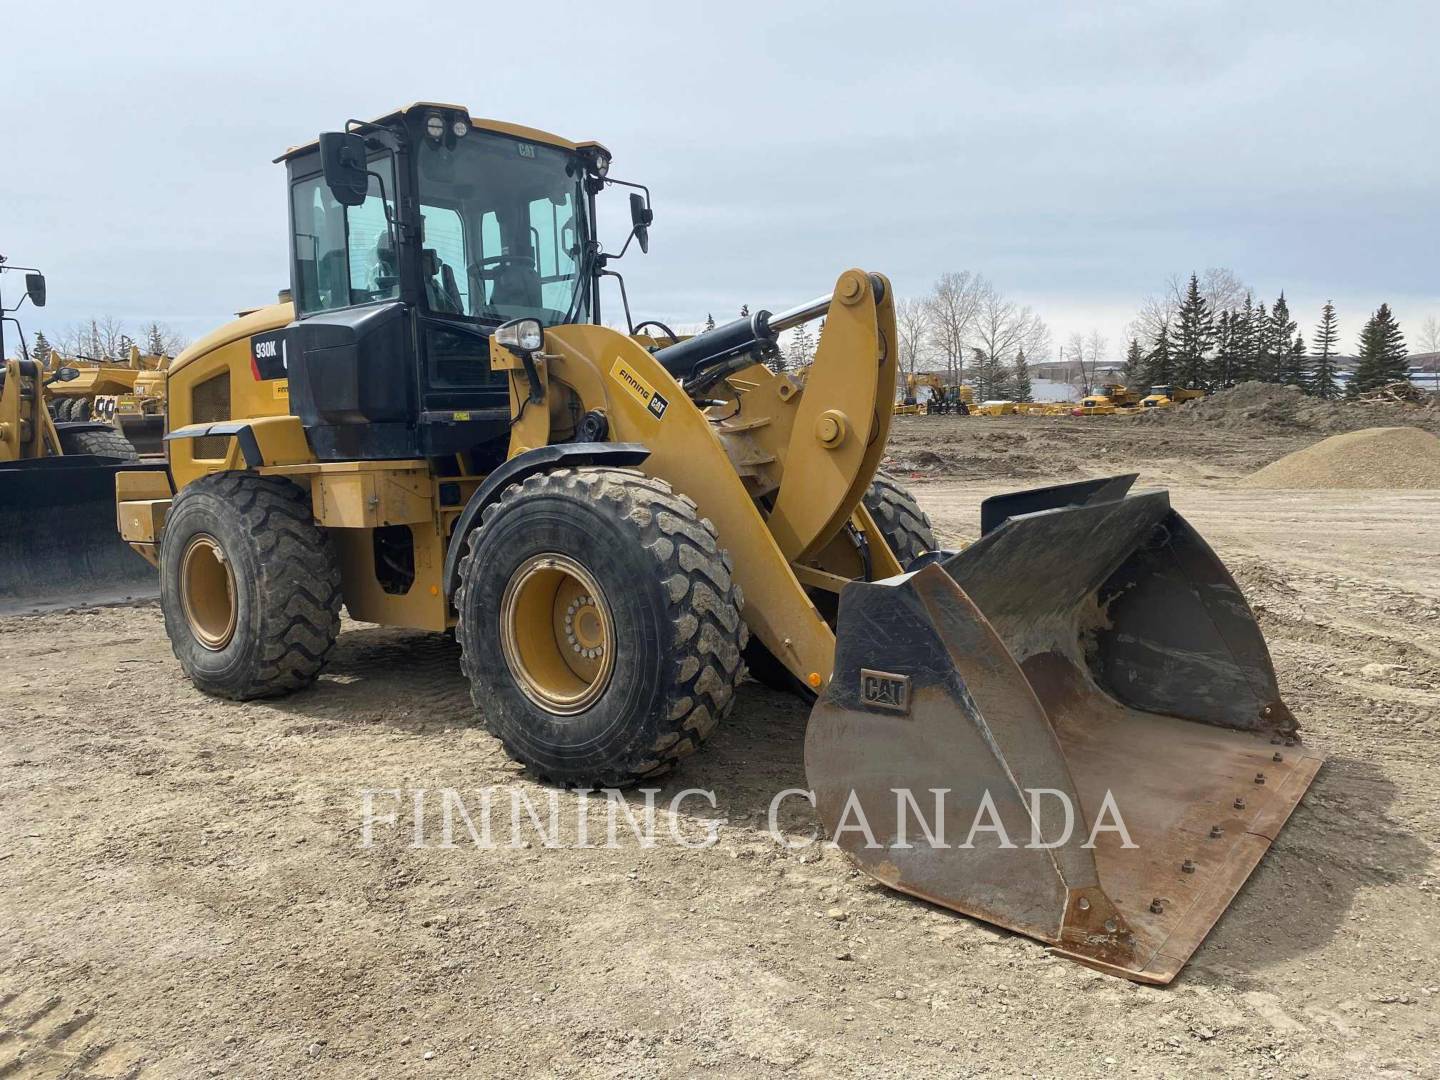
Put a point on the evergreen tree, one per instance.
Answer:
(1295, 366)
(709, 321)
(988, 376)
(744, 311)
(154, 340)
(1322, 373)
(1159, 363)
(41, 350)
(1278, 342)
(1194, 335)
(1222, 370)
(1134, 370)
(1020, 389)
(802, 347)
(1382, 353)
(1242, 342)
(1260, 357)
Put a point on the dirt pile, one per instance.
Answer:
(1267, 406)
(1382, 457)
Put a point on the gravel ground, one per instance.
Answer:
(185, 890)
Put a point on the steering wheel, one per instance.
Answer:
(499, 263)
(674, 337)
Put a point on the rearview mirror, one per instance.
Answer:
(342, 157)
(640, 218)
(35, 288)
(67, 374)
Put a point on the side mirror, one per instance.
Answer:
(347, 174)
(35, 288)
(640, 218)
(67, 374)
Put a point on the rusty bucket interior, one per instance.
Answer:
(1070, 729)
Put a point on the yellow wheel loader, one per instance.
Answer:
(439, 431)
(58, 546)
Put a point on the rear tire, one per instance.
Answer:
(109, 444)
(905, 527)
(248, 542)
(661, 657)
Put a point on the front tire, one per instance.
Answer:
(599, 626)
(249, 586)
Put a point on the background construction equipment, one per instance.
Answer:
(57, 490)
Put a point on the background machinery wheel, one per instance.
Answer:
(250, 587)
(110, 444)
(904, 525)
(907, 531)
(599, 626)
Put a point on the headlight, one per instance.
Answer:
(435, 126)
(460, 128)
(523, 334)
(600, 162)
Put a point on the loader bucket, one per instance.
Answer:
(59, 546)
(1070, 729)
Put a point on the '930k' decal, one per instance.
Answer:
(267, 355)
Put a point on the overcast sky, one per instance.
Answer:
(1076, 154)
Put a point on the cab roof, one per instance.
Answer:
(500, 127)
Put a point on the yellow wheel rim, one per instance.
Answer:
(557, 634)
(207, 592)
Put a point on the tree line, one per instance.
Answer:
(108, 341)
(1190, 344)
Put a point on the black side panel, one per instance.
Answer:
(516, 469)
(353, 366)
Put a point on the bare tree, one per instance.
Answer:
(952, 305)
(1085, 353)
(1427, 339)
(912, 322)
(1221, 288)
(1003, 329)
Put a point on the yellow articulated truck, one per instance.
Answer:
(1167, 397)
(440, 432)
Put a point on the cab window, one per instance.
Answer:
(345, 255)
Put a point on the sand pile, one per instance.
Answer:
(1385, 457)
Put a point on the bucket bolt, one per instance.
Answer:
(1157, 906)
(1259, 778)
(1216, 832)
(1278, 756)
(1187, 867)
(1239, 804)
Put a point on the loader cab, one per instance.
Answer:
(412, 238)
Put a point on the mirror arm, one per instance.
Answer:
(624, 299)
